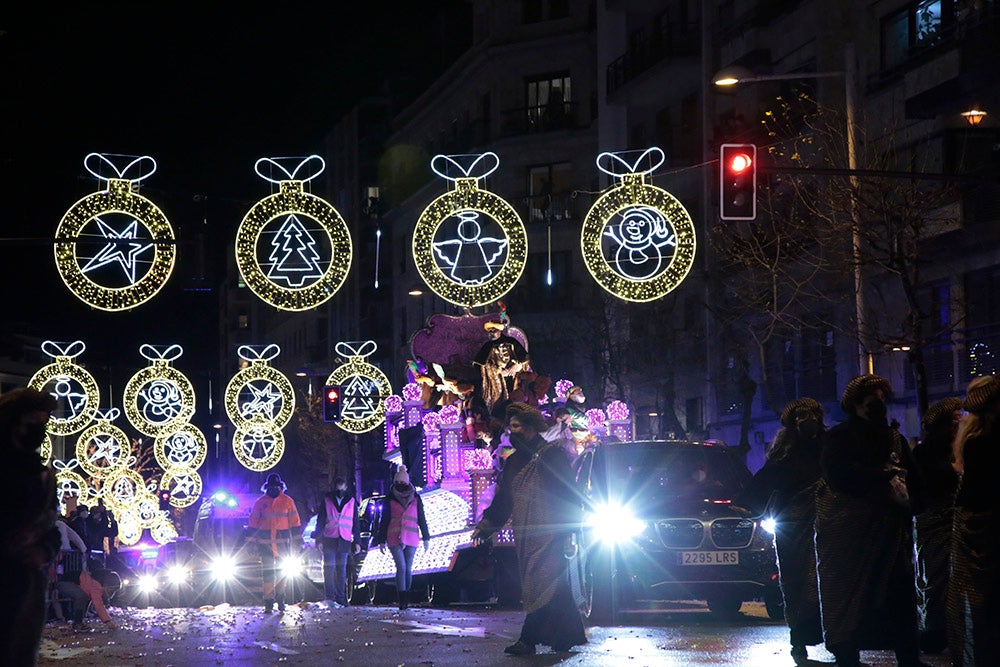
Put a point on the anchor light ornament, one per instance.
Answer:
(638, 240)
(469, 245)
(114, 248)
(293, 248)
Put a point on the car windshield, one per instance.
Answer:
(659, 470)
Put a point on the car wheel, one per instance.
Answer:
(599, 605)
(774, 604)
(724, 605)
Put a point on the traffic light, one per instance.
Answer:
(165, 499)
(738, 182)
(331, 402)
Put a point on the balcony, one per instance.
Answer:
(544, 118)
(668, 40)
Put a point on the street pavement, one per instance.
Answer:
(672, 635)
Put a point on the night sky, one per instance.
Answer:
(205, 89)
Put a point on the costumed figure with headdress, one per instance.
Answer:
(579, 424)
(786, 485)
(275, 527)
(864, 530)
(500, 360)
(973, 606)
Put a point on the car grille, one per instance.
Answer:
(732, 533)
(681, 533)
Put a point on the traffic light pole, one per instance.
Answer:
(865, 362)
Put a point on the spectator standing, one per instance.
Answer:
(932, 456)
(974, 589)
(786, 485)
(536, 493)
(864, 531)
(401, 526)
(338, 535)
(28, 536)
(276, 528)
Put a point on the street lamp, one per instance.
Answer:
(737, 74)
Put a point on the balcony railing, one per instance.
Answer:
(669, 40)
(544, 118)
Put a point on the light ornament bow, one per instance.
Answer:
(74, 389)
(293, 249)
(638, 241)
(469, 245)
(159, 398)
(104, 239)
(364, 388)
(103, 449)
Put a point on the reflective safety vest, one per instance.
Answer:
(409, 529)
(339, 524)
(272, 520)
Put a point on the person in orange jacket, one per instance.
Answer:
(275, 527)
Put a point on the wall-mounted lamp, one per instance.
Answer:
(973, 116)
(416, 291)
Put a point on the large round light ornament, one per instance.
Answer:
(258, 447)
(114, 248)
(158, 398)
(293, 248)
(75, 390)
(182, 450)
(638, 240)
(469, 245)
(259, 391)
(363, 386)
(103, 448)
(185, 486)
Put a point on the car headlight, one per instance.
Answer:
(614, 523)
(291, 566)
(769, 525)
(146, 583)
(222, 568)
(177, 574)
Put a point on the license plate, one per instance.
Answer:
(709, 557)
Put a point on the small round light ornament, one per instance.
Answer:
(638, 241)
(469, 245)
(257, 447)
(74, 389)
(163, 531)
(259, 391)
(45, 451)
(159, 398)
(147, 509)
(103, 448)
(363, 386)
(129, 528)
(182, 450)
(69, 483)
(124, 488)
(114, 248)
(293, 248)
(185, 486)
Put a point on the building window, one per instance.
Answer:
(982, 317)
(535, 11)
(549, 190)
(243, 321)
(916, 26)
(548, 101)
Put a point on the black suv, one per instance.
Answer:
(661, 524)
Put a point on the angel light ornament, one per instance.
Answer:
(293, 248)
(159, 398)
(469, 245)
(74, 389)
(114, 248)
(103, 448)
(258, 446)
(70, 484)
(364, 388)
(638, 241)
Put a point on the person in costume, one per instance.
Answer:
(501, 359)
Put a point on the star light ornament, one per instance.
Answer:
(74, 389)
(638, 241)
(114, 248)
(469, 245)
(159, 398)
(103, 449)
(259, 401)
(364, 388)
(293, 249)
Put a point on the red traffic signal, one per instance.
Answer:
(738, 182)
(331, 402)
(164, 499)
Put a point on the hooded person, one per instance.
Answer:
(864, 531)
(337, 535)
(535, 491)
(275, 527)
(401, 527)
(786, 485)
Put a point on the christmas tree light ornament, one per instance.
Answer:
(185, 486)
(114, 248)
(364, 388)
(257, 447)
(259, 391)
(469, 245)
(158, 398)
(182, 450)
(75, 390)
(293, 249)
(103, 448)
(123, 489)
(638, 241)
